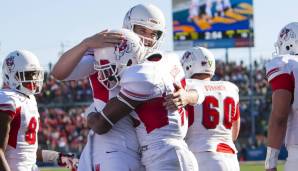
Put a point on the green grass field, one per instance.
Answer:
(243, 167)
(257, 167)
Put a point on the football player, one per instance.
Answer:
(120, 145)
(160, 132)
(19, 117)
(282, 73)
(215, 123)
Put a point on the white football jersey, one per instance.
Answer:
(286, 68)
(123, 134)
(23, 141)
(122, 137)
(211, 122)
(150, 82)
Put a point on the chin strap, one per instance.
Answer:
(50, 156)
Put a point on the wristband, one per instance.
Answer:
(49, 156)
(271, 158)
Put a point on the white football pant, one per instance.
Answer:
(292, 160)
(169, 155)
(217, 161)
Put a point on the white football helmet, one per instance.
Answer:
(148, 16)
(198, 60)
(287, 41)
(111, 61)
(21, 71)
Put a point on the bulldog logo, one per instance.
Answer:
(122, 48)
(10, 63)
(286, 34)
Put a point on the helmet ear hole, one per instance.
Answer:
(129, 62)
(288, 47)
(159, 34)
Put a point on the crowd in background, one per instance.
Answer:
(61, 105)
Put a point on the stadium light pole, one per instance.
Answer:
(227, 55)
(251, 82)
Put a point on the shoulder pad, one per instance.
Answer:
(194, 83)
(231, 85)
(141, 82)
(277, 66)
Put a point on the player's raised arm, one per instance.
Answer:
(72, 57)
(5, 120)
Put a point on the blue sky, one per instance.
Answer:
(41, 26)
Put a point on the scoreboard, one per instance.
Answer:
(212, 23)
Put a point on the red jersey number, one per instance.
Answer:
(211, 112)
(154, 115)
(30, 135)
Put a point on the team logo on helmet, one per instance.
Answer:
(286, 34)
(122, 48)
(10, 63)
(186, 55)
(186, 60)
(207, 61)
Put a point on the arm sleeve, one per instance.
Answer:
(84, 68)
(279, 75)
(138, 84)
(283, 81)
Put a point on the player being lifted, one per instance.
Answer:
(19, 117)
(215, 123)
(120, 145)
(282, 73)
